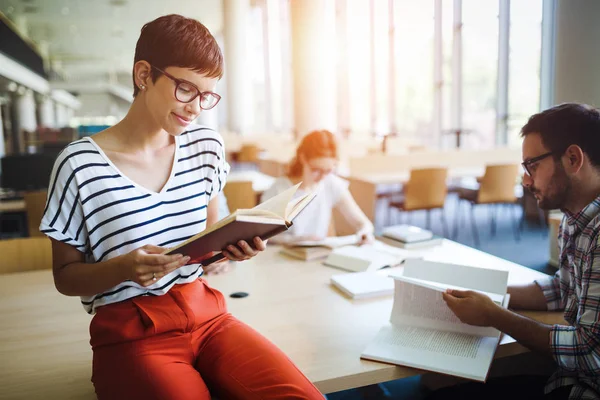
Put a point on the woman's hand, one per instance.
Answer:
(147, 265)
(243, 251)
(366, 238)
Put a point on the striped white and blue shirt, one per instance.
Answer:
(98, 210)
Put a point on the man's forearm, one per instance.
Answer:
(527, 297)
(530, 333)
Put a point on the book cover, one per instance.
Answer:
(266, 220)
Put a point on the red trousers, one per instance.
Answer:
(184, 344)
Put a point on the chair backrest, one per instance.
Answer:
(239, 194)
(426, 189)
(498, 184)
(35, 202)
(249, 153)
(272, 167)
(25, 254)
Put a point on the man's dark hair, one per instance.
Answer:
(177, 41)
(565, 125)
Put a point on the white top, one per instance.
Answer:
(98, 210)
(316, 217)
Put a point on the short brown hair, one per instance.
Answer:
(566, 124)
(176, 41)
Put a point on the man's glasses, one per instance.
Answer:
(186, 92)
(528, 165)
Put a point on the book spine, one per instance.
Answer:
(220, 256)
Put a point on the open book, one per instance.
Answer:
(265, 220)
(424, 333)
(368, 257)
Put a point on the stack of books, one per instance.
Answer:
(309, 250)
(409, 237)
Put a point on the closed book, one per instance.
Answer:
(306, 253)
(266, 220)
(407, 233)
(360, 285)
(315, 249)
(434, 241)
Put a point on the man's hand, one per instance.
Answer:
(216, 268)
(471, 307)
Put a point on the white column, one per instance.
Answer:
(61, 115)
(47, 115)
(2, 149)
(438, 78)
(25, 111)
(392, 67)
(502, 84)
(577, 58)
(313, 65)
(548, 60)
(235, 23)
(456, 105)
(69, 114)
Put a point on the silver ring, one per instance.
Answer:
(154, 276)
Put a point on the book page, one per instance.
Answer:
(473, 278)
(452, 353)
(424, 307)
(442, 342)
(278, 205)
(297, 205)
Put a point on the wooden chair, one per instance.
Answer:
(426, 189)
(249, 153)
(35, 202)
(25, 254)
(497, 186)
(239, 194)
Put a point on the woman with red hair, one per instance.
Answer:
(314, 165)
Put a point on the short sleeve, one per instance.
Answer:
(220, 171)
(336, 187)
(63, 218)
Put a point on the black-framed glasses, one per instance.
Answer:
(186, 92)
(528, 163)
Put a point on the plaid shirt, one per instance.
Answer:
(576, 289)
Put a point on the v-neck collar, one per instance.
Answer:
(137, 185)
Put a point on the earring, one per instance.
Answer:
(142, 87)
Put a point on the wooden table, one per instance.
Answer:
(44, 336)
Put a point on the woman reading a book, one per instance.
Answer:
(314, 165)
(119, 199)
